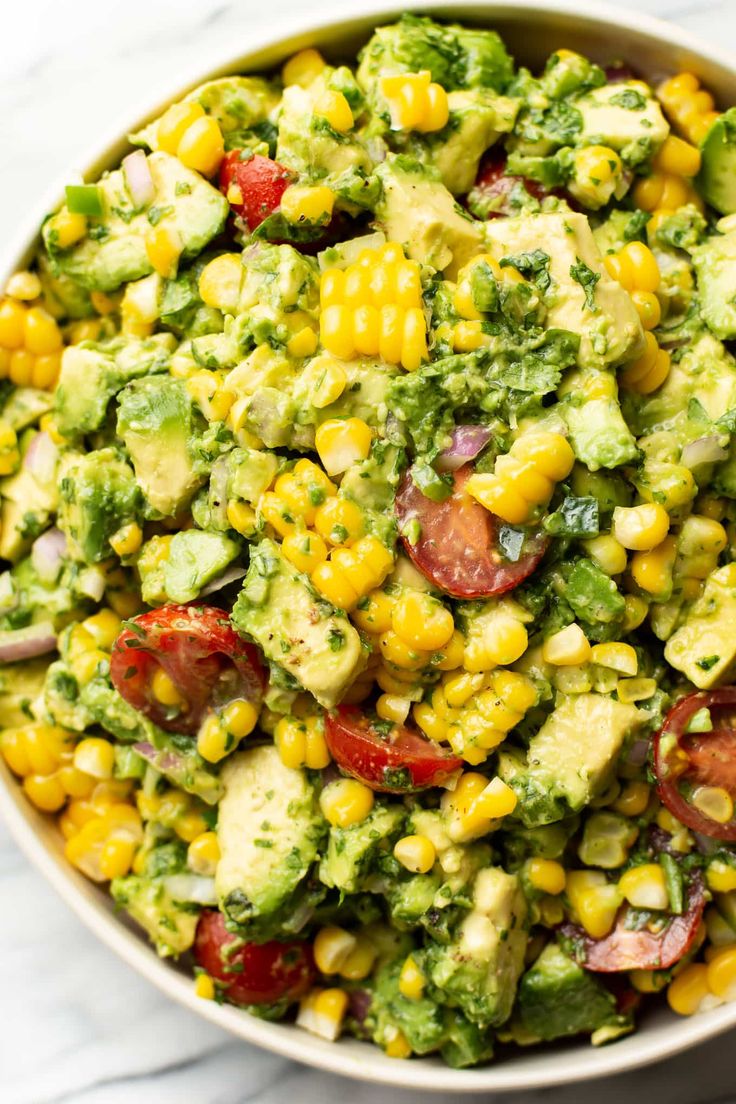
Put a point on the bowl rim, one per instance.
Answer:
(31, 830)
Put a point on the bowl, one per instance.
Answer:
(531, 29)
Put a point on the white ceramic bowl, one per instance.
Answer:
(532, 29)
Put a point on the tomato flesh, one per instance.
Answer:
(400, 763)
(628, 949)
(497, 186)
(197, 647)
(261, 182)
(253, 973)
(457, 548)
(692, 759)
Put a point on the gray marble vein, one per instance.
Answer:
(77, 1026)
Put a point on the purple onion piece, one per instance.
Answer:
(467, 442)
(47, 553)
(35, 640)
(706, 450)
(138, 178)
(619, 72)
(229, 575)
(637, 753)
(40, 457)
(360, 1001)
(706, 845)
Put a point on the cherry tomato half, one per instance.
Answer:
(252, 973)
(496, 186)
(401, 762)
(261, 182)
(457, 548)
(197, 647)
(626, 948)
(684, 760)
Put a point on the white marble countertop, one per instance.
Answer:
(76, 1024)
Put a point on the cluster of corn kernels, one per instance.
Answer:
(669, 186)
(468, 334)
(300, 741)
(186, 132)
(597, 173)
(687, 559)
(102, 834)
(30, 338)
(635, 268)
(524, 477)
(223, 729)
(43, 756)
(374, 308)
(89, 644)
(415, 101)
(474, 711)
(180, 812)
(581, 666)
(689, 106)
(649, 371)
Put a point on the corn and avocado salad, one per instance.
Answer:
(368, 510)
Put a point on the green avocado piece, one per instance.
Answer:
(421, 1021)
(98, 494)
(114, 249)
(351, 852)
(20, 685)
(558, 998)
(704, 647)
(194, 558)
(270, 832)
(598, 431)
(29, 498)
(296, 628)
(715, 265)
(250, 473)
(170, 926)
(157, 421)
(717, 177)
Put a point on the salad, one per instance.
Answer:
(368, 510)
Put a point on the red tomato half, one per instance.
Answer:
(253, 973)
(399, 763)
(457, 548)
(197, 647)
(627, 949)
(261, 181)
(495, 184)
(685, 760)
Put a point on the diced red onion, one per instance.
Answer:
(360, 1001)
(193, 889)
(229, 575)
(637, 753)
(617, 74)
(706, 450)
(91, 583)
(35, 640)
(40, 458)
(467, 442)
(47, 553)
(138, 179)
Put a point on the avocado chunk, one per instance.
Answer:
(479, 971)
(150, 899)
(570, 758)
(417, 210)
(157, 421)
(114, 250)
(421, 1021)
(715, 265)
(558, 998)
(717, 177)
(242, 107)
(704, 647)
(29, 498)
(269, 830)
(92, 374)
(194, 558)
(580, 294)
(20, 685)
(98, 494)
(352, 852)
(250, 473)
(313, 149)
(599, 434)
(296, 628)
(625, 117)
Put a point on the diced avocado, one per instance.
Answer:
(114, 249)
(417, 210)
(242, 107)
(194, 558)
(591, 594)
(60, 704)
(98, 494)
(467, 1044)
(351, 852)
(412, 899)
(308, 145)
(170, 926)
(715, 265)
(62, 296)
(479, 971)
(250, 473)
(24, 407)
(558, 998)
(296, 628)
(570, 758)
(30, 497)
(20, 685)
(704, 647)
(92, 374)
(598, 431)
(457, 57)
(625, 117)
(421, 1021)
(157, 421)
(372, 485)
(269, 829)
(717, 178)
(581, 297)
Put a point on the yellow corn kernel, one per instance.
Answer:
(597, 169)
(596, 903)
(45, 792)
(242, 517)
(75, 782)
(12, 324)
(239, 717)
(163, 249)
(204, 987)
(339, 521)
(468, 336)
(20, 370)
(505, 641)
(325, 378)
(373, 614)
(607, 553)
(721, 877)
(41, 333)
(127, 540)
(677, 157)
(346, 802)
(398, 1045)
(642, 265)
(203, 854)
(219, 282)
(686, 992)
(116, 858)
(416, 853)
(415, 102)
(322, 1012)
(95, 756)
(392, 707)
(304, 549)
(66, 229)
(640, 528)
(331, 582)
(359, 963)
(432, 725)
(411, 980)
(201, 146)
(340, 443)
(397, 652)
(648, 308)
(290, 737)
(422, 621)
(616, 655)
(336, 331)
(546, 875)
(303, 68)
(713, 802)
(213, 740)
(645, 886)
(495, 801)
(303, 343)
(633, 799)
(174, 122)
(87, 329)
(45, 371)
(23, 285)
(721, 974)
(302, 203)
(333, 107)
(566, 648)
(332, 946)
(652, 571)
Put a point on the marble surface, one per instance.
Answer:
(77, 1025)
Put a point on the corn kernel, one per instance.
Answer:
(416, 853)
(411, 980)
(322, 1012)
(618, 656)
(302, 203)
(546, 875)
(116, 858)
(346, 802)
(721, 877)
(219, 282)
(686, 992)
(303, 68)
(340, 443)
(174, 122)
(23, 285)
(204, 987)
(333, 107)
(203, 854)
(95, 756)
(213, 740)
(568, 647)
(127, 540)
(163, 249)
(332, 946)
(66, 229)
(645, 886)
(713, 802)
(398, 1045)
(339, 521)
(302, 344)
(201, 146)
(359, 963)
(640, 528)
(326, 380)
(306, 550)
(422, 621)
